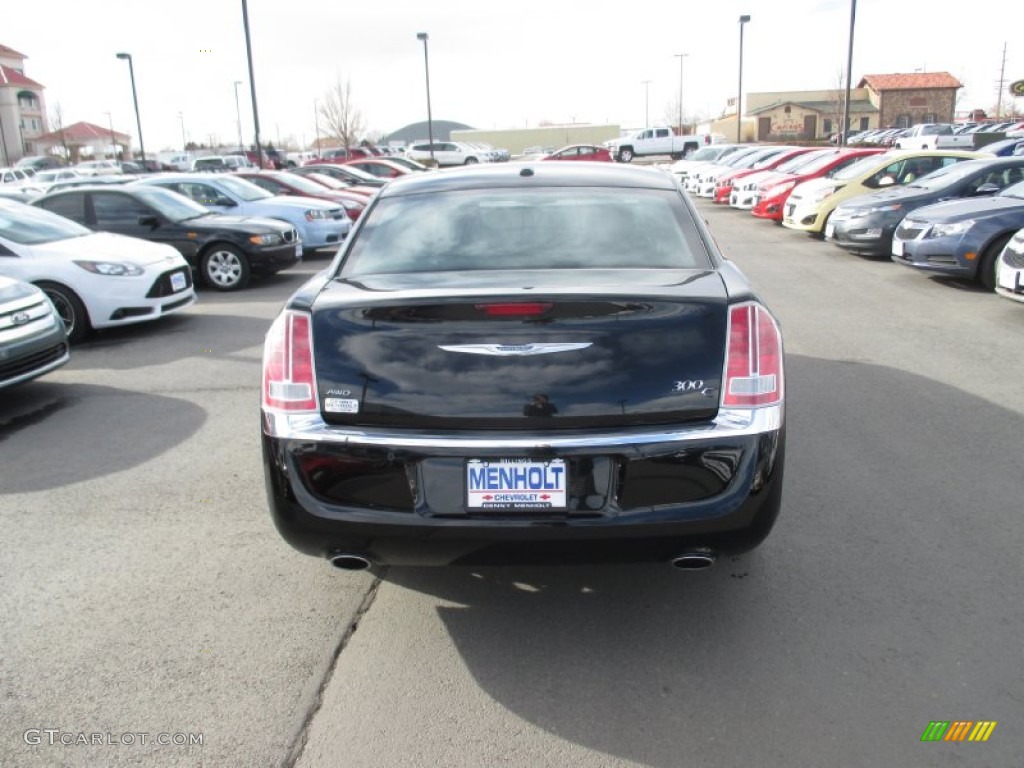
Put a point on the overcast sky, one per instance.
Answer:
(492, 65)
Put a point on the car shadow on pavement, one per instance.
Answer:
(853, 618)
(69, 421)
(173, 339)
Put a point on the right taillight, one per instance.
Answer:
(289, 382)
(753, 359)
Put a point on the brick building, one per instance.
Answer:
(904, 100)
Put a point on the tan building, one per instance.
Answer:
(22, 109)
(808, 115)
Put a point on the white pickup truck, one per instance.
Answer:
(658, 141)
(934, 136)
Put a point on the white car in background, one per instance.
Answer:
(1010, 269)
(94, 279)
(98, 168)
(446, 153)
(13, 175)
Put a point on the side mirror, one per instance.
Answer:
(985, 189)
(225, 202)
(149, 220)
(886, 181)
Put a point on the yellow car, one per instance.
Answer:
(812, 202)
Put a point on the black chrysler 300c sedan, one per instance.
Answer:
(522, 365)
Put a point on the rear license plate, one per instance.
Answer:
(178, 282)
(516, 484)
(897, 247)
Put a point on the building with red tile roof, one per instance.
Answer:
(904, 99)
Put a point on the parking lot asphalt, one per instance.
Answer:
(144, 590)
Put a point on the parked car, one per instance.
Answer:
(555, 365)
(745, 190)
(343, 173)
(175, 161)
(291, 184)
(702, 158)
(963, 238)
(1010, 269)
(224, 250)
(220, 164)
(725, 184)
(320, 224)
(1004, 148)
(445, 153)
(33, 340)
(865, 224)
(698, 178)
(13, 175)
(40, 162)
(773, 192)
(381, 167)
(340, 155)
(934, 136)
(658, 140)
(336, 185)
(810, 204)
(588, 153)
(98, 168)
(94, 279)
(405, 162)
(759, 158)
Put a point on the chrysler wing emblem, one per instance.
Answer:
(514, 349)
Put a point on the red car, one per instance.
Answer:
(336, 184)
(379, 166)
(340, 155)
(582, 152)
(725, 183)
(284, 183)
(774, 192)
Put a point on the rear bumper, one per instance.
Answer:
(646, 496)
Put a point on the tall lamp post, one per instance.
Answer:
(184, 143)
(252, 85)
(681, 56)
(845, 127)
(238, 115)
(739, 90)
(430, 118)
(135, 99)
(316, 123)
(647, 102)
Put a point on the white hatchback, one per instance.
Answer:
(94, 279)
(1010, 269)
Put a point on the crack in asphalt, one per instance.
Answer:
(298, 743)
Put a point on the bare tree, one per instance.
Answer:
(57, 122)
(342, 118)
(837, 101)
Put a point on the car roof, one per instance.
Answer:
(527, 174)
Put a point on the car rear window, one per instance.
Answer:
(557, 228)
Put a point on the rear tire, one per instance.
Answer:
(70, 309)
(471, 161)
(986, 274)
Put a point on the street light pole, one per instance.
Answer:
(426, 67)
(135, 99)
(184, 143)
(845, 127)
(739, 90)
(252, 84)
(238, 116)
(647, 102)
(681, 56)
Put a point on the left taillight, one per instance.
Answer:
(289, 381)
(753, 360)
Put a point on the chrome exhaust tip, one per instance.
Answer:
(694, 561)
(347, 561)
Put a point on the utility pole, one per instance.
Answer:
(1002, 80)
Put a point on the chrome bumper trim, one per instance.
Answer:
(310, 427)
